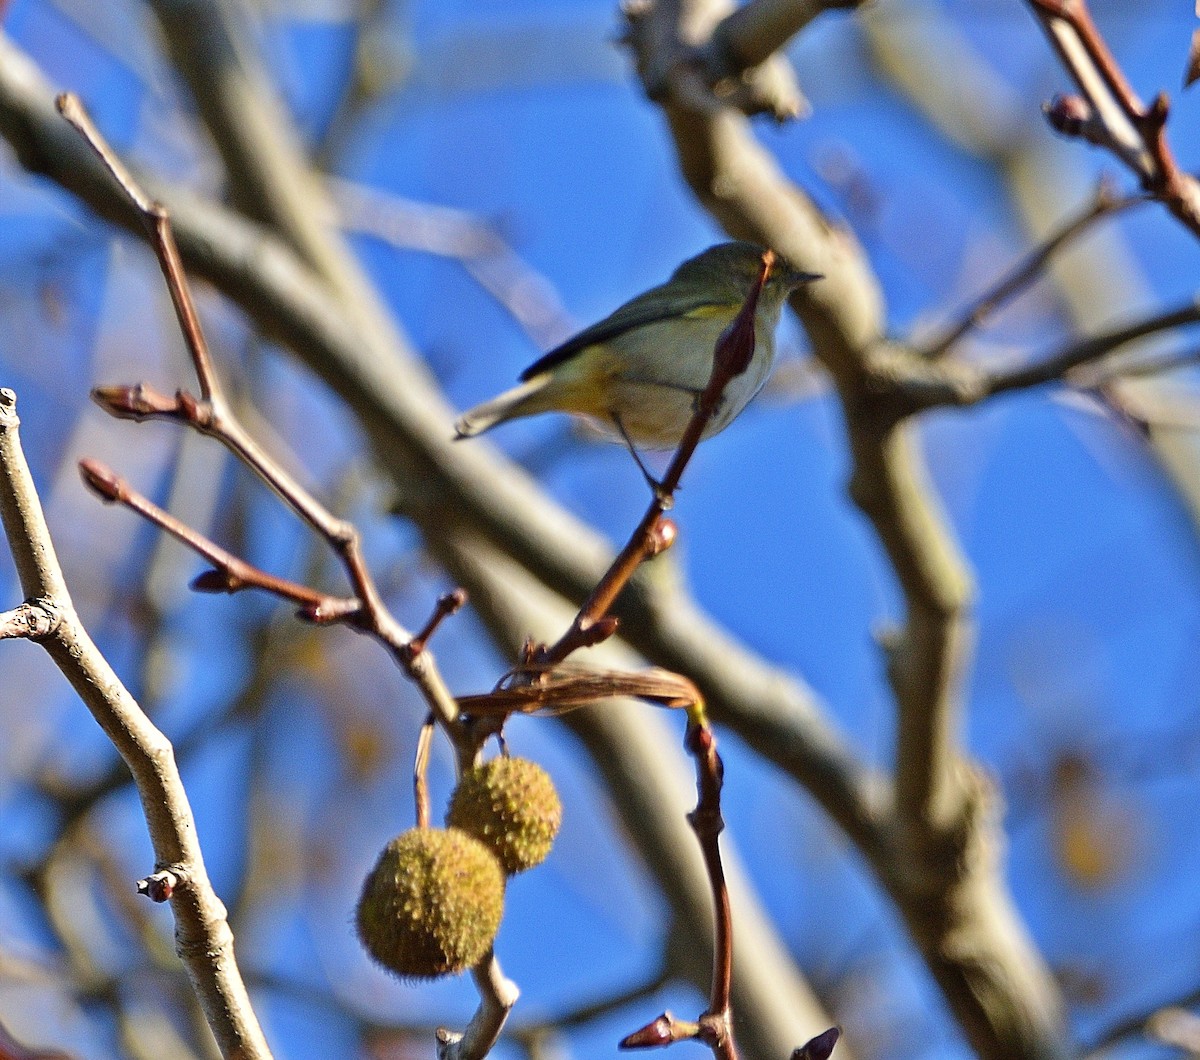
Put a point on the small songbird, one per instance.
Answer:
(637, 373)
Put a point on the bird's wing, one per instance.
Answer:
(636, 313)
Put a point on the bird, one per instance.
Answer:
(637, 374)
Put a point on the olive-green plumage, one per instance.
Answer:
(645, 364)
(432, 904)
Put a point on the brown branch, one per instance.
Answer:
(1105, 203)
(232, 574)
(1110, 113)
(714, 1027)
(707, 823)
(732, 356)
(158, 227)
(634, 750)
(1056, 366)
(212, 415)
(204, 941)
(407, 423)
(950, 891)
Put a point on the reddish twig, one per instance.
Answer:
(230, 574)
(1109, 113)
(158, 225)
(447, 605)
(654, 534)
(716, 1025)
(211, 414)
(731, 357)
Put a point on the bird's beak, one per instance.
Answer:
(793, 278)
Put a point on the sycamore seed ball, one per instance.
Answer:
(431, 906)
(510, 805)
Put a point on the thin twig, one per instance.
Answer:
(420, 767)
(1109, 113)
(716, 1025)
(448, 604)
(654, 535)
(1055, 367)
(211, 414)
(732, 355)
(1104, 204)
(157, 224)
(231, 574)
(375, 373)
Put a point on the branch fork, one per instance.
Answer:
(1108, 112)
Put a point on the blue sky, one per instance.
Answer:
(1081, 700)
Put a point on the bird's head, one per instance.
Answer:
(731, 269)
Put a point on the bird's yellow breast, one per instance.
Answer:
(651, 376)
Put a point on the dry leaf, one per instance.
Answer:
(559, 689)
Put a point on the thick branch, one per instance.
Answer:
(755, 31)
(408, 424)
(203, 939)
(946, 896)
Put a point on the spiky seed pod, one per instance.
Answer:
(431, 906)
(511, 806)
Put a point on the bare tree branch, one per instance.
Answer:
(1089, 350)
(1109, 113)
(1031, 268)
(951, 894)
(754, 32)
(409, 426)
(204, 941)
(648, 780)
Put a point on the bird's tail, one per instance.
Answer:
(524, 399)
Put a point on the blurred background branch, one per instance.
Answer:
(475, 168)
